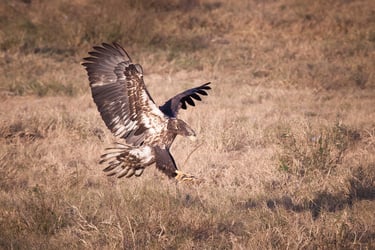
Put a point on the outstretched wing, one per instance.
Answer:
(120, 94)
(172, 106)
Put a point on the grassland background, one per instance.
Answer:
(286, 143)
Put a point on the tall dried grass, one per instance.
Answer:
(286, 138)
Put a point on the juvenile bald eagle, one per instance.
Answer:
(146, 131)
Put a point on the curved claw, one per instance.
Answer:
(181, 176)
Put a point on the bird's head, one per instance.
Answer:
(181, 128)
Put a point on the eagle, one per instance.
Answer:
(144, 132)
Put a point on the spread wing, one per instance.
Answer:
(120, 94)
(172, 106)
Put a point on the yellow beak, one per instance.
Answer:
(192, 137)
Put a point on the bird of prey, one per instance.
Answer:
(143, 130)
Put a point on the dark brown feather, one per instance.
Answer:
(171, 107)
(165, 162)
(119, 92)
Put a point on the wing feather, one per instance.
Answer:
(165, 162)
(172, 106)
(196, 97)
(190, 101)
(120, 94)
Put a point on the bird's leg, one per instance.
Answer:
(181, 176)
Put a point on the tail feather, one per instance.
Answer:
(111, 174)
(124, 160)
(123, 172)
(127, 172)
(113, 154)
(111, 167)
(138, 172)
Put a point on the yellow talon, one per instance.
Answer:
(181, 176)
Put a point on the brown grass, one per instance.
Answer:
(286, 138)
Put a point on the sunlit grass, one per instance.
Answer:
(286, 139)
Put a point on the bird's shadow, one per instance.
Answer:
(322, 201)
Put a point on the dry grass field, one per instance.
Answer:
(286, 137)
